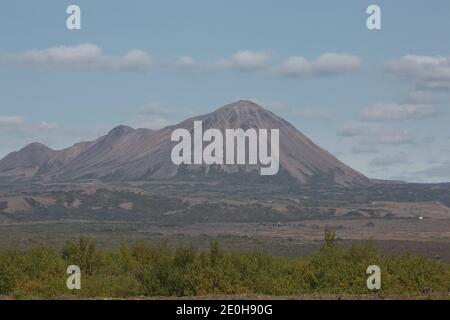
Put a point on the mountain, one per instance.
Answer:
(127, 154)
(26, 162)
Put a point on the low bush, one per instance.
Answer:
(147, 270)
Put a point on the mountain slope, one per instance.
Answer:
(300, 158)
(126, 154)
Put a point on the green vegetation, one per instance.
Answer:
(146, 270)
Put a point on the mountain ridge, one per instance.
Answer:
(128, 154)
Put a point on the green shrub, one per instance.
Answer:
(10, 272)
(146, 270)
(83, 254)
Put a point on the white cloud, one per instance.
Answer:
(245, 60)
(400, 158)
(89, 56)
(11, 121)
(153, 116)
(149, 122)
(249, 60)
(18, 131)
(19, 124)
(327, 64)
(371, 134)
(406, 177)
(186, 62)
(391, 111)
(133, 60)
(440, 172)
(421, 97)
(427, 67)
(84, 56)
(363, 149)
(430, 72)
(222, 64)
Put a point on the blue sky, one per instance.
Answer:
(378, 100)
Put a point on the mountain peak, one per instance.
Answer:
(120, 130)
(245, 103)
(36, 146)
(242, 105)
(27, 160)
(241, 111)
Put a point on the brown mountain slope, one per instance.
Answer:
(143, 154)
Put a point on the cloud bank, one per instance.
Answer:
(397, 112)
(400, 158)
(245, 60)
(429, 72)
(19, 124)
(83, 56)
(373, 134)
(89, 57)
(327, 64)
